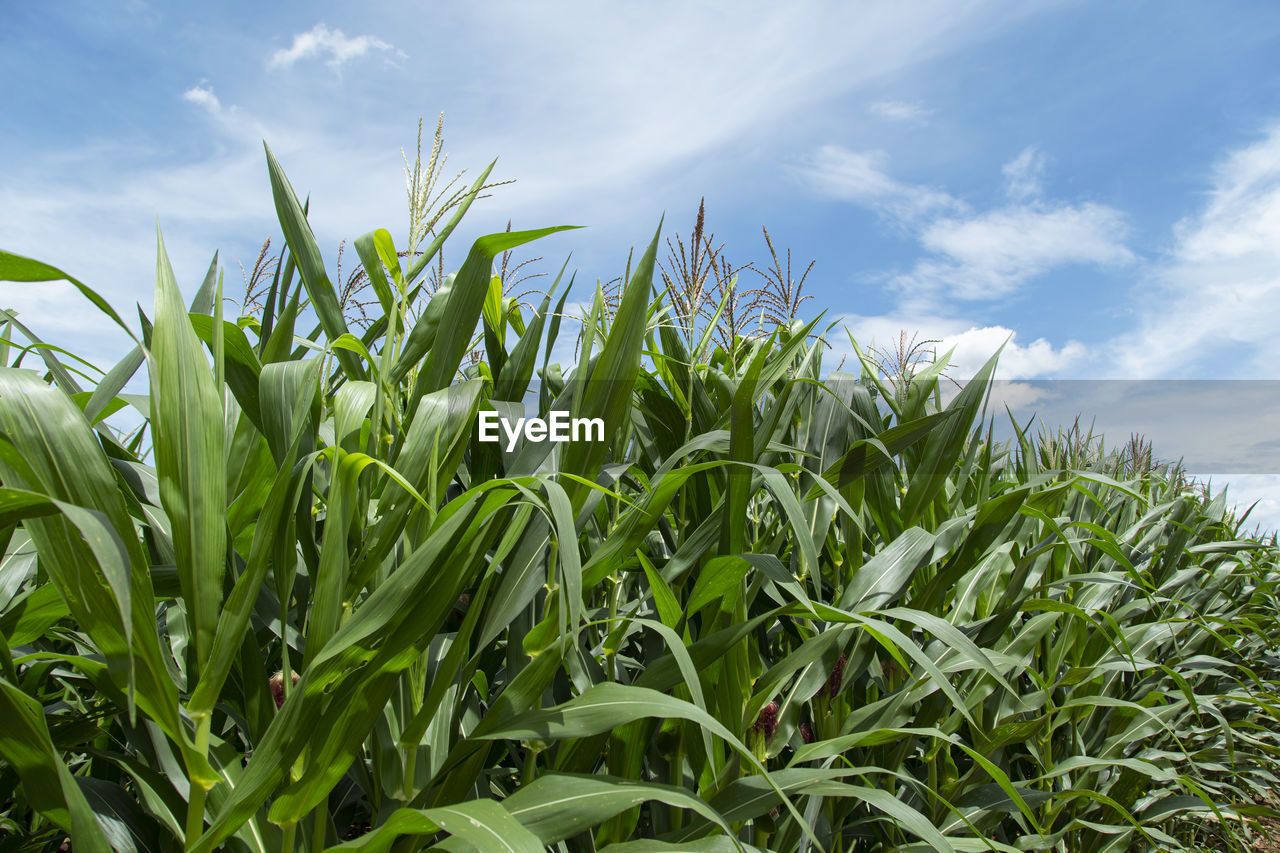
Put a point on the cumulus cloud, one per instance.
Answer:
(899, 111)
(1036, 358)
(337, 47)
(971, 345)
(1018, 395)
(974, 255)
(990, 255)
(202, 95)
(1259, 491)
(1209, 307)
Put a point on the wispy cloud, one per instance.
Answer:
(334, 45)
(1215, 299)
(899, 111)
(656, 116)
(860, 177)
(1023, 175)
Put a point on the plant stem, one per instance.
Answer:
(530, 766)
(677, 777)
(933, 784)
(410, 771)
(318, 826)
(195, 814)
(195, 801)
(287, 842)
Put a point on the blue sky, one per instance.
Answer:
(1101, 181)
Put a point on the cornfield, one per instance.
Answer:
(779, 607)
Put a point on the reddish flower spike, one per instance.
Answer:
(767, 722)
(837, 678)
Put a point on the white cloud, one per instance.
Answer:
(656, 104)
(202, 95)
(974, 255)
(899, 111)
(1244, 490)
(1216, 296)
(1017, 361)
(337, 46)
(114, 245)
(1209, 308)
(990, 255)
(1023, 175)
(1243, 215)
(611, 148)
(860, 177)
(973, 345)
(1017, 395)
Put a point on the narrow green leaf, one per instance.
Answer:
(608, 390)
(462, 310)
(559, 805)
(484, 824)
(17, 268)
(306, 253)
(187, 423)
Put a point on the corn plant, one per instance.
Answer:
(304, 607)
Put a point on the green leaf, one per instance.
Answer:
(462, 309)
(187, 421)
(942, 447)
(560, 805)
(290, 395)
(742, 449)
(29, 615)
(26, 747)
(240, 361)
(715, 844)
(606, 706)
(608, 389)
(306, 253)
(113, 383)
(484, 824)
(273, 519)
(17, 268)
(346, 685)
(513, 379)
(430, 456)
(882, 579)
(373, 258)
(870, 454)
(717, 578)
(48, 448)
(335, 558)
